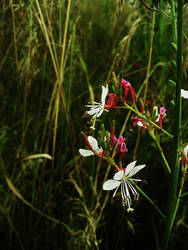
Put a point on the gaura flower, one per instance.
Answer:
(96, 108)
(160, 116)
(121, 145)
(112, 101)
(140, 122)
(122, 179)
(184, 93)
(128, 87)
(93, 148)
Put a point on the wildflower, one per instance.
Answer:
(140, 122)
(93, 148)
(96, 108)
(112, 101)
(122, 179)
(128, 87)
(121, 145)
(184, 93)
(161, 116)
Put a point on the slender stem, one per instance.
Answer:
(181, 188)
(150, 56)
(163, 156)
(147, 198)
(171, 214)
(174, 21)
(147, 120)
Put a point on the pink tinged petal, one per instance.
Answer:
(104, 94)
(133, 94)
(85, 152)
(163, 111)
(130, 167)
(135, 170)
(93, 142)
(119, 175)
(111, 184)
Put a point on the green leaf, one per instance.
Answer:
(173, 65)
(172, 84)
(174, 46)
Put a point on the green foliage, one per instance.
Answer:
(54, 57)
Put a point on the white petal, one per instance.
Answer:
(119, 175)
(130, 167)
(85, 152)
(93, 111)
(104, 94)
(100, 112)
(155, 109)
(184, 93)
(135, 170)
(111, 184)
(186, 151)
(158, 117)
(93, 142)
(115, 192)
(139, 123)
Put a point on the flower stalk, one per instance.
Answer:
(147, 120)
(173, 199)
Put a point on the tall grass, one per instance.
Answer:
(54, 57)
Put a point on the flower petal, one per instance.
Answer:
(100, 112)
(93, 142)
(186, 151)
(130, 167)
(119, 175)
(115, 192)
(140, 124)
(85, 152)
(184, 93)
(93, 111)
(135, 170)
(111, 184)
(104, 94)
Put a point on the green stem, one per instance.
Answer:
(174, 20)
(163, 156)
(172, 209)
(147, 198)
(147, 120)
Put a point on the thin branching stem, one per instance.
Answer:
(172, 201)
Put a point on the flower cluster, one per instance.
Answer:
(96, 109)
(155, 116)
(110, 147)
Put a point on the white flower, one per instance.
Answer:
(122, 179)
(96, 108)
(184, 93)
(93, 145)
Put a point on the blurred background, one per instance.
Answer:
(54, 57)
